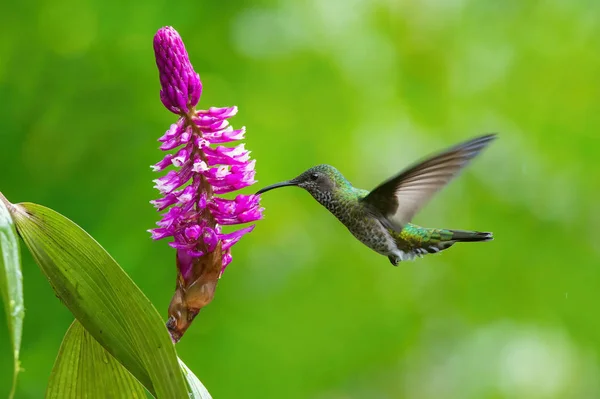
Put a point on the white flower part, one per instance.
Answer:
(237, 150)
(219, 125)
(202, 143)
(185, 198)
(241, 133)
(222, 171)
(199, 166)
(181, 157)
(221, 132)
(164, 186)
(186, 195)
(245, 157)
(222, 112)
(249, 167)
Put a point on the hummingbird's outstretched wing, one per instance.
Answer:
(399, 198)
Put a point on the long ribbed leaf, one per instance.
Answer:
(11, 283)
(103, 298)
(84, 369)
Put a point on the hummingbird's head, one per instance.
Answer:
(320, 181)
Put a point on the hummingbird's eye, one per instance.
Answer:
(314, 176)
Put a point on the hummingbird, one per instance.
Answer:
(380, 218)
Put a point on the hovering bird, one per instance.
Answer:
(380, 219)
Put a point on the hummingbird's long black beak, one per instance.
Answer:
(277, 185)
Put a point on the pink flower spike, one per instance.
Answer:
(200, 170)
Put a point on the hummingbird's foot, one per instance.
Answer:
(394, 260)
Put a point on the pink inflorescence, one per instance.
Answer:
(202, 167)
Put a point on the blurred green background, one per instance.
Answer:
(305, 310)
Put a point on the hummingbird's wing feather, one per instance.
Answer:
(399, 198)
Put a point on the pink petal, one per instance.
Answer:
(166, 161)
(230, 239)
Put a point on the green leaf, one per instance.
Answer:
(198, 391)
(103, 298)
(11, 283)
(84, 369)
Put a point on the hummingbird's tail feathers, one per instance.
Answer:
(470, 236)
(418, 241)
